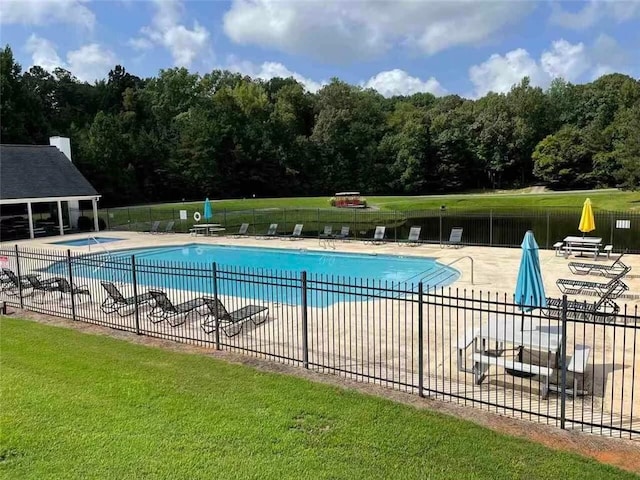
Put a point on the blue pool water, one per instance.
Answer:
(84, 242)
(331, 266)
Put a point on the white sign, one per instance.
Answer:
(183, 214)
(4, 262)
(623, 223)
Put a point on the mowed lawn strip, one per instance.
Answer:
(609, 200)
(83, 406)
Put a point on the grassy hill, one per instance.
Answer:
(609, 200)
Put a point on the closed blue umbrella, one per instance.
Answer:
(208, 214)
(530, 288)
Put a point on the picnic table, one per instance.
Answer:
(582, 244)
(207, 228)
(498, 339)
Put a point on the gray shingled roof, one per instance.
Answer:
(39, 171)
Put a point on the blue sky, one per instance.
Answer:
(467, 47)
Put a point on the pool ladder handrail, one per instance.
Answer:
(433, 274)
(109, 257)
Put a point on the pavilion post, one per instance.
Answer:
(96, 226)
(60, 221)
(30, 215)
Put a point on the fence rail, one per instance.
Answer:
(473, 348)
(500, 228)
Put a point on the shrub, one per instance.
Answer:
(332, 201)
(363, 201)
(84, 224)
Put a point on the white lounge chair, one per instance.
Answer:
(378, 235)
(455, 238)
(414, 236)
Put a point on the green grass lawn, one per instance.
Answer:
(606, 200)
(260, 212)
(83, 406)
(602, 200)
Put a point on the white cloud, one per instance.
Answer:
(335, 30)
(573, 62)
(269, 70)
(140, 43)
(608, 57)
(41, 12)
(398, 82)
(389, 83)
(88, 63)
(91, 62)
(499, 72)
(594, 11)
(184, 44)
(43, 53)
(565, 60)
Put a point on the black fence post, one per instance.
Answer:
(254, 221)
(548, 220)
(563, 364)
(395, 226)
(215, 296)
(135, 293)
(490, 228)
(73, 298)
(19, 278)
(420, 342)
(305, 325)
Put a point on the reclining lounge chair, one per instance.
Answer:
(271, 232)
(297, 232)
(344, 233)
(326, 237)
(414, 236)
(455, 238)
(378, 235)
(164, 309)
(613, 289)
(604, 310)
(613, 270)
(11, 284)
(64, 287)
(242, 231)
(42, 286)
(117, 302)
(169, 227)
(231, 322)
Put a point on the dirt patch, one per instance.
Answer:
(621, 453)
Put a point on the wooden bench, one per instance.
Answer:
(577, 366)
(483, 362)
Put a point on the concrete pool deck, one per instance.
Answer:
(495, 269)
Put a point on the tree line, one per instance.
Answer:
(183, 135)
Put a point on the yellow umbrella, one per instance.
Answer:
(587, 222)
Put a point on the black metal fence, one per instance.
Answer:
(473, 348)
(501, 228)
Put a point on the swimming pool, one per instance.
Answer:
(392, 269)
(84, 242)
